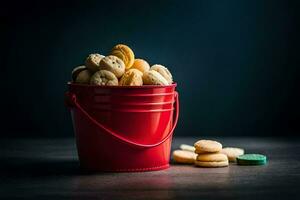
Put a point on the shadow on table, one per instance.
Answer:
(39, 167)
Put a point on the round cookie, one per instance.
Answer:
(154, 78)
(232, 153)
(141, 65)
(92, 61)
(211, 164)
(164, 72)
(76, 71)
(132, 77)
(186, 147)
(113, 64)
(207, 146)
(124, 53)
(104, 77)
(212, 157)
(83, 77)
(185, 157)
(251, 159)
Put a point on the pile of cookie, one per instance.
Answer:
(121, 68)
(209, 153)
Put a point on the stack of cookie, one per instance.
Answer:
(120, 68)
(209, 154)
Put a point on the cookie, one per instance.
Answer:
(251, 159)
(154, 78)
(76, 71)
(141, 65)
(132, 77)
(113, 64)
(211, 164)
(84, 76)
(92, 61)
(164, 72)
(124, 53)
(104, 77)
(185, 157)
(212, 157)
(207, 146)
(186, 147)
(232, 153)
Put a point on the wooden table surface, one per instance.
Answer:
(48, 169)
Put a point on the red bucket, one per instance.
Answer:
(123, 128)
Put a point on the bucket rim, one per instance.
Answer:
(121, 87)
(135, 103)
(115, 110)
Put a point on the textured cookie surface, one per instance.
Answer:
(83, 77)
(124, 53)
(212, 157)
(207, 146)
(232, 153)
(154, 78)
(186, 147)
(185, 157)
(211, 164)
(141, 65)
(104, 77)
(92, 61)
(113, 64)
(76, 71)
(251, 159)
(132, 77)
(164, 72)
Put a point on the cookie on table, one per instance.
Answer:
(104, 77)
(164, 72)
(113, 64)
(76, 71)
(212, 157)
(141, 65)
(251, 159)
(84, 76)
(152, 77)
(123, 52)
(211, 160)
(186, 147)
(92, 62)
(184, 157)
(203, 146)
(132, 77)
(211, 164)
(232, 153)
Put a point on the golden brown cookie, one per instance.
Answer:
(92, 61)
(132, 77)
(113, 64)
(164, 72)
(185, 157)
(211, 164)
(76, 71)
(232, 153)
(186, 147)
(84, 76)
(154, 78)
(207, 146)
(104, 77)
(212, 157)
(124, 53)
(141, 65)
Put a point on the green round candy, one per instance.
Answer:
(251, 159)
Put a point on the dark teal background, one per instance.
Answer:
(236, 62)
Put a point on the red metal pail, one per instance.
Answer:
(121, 128)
